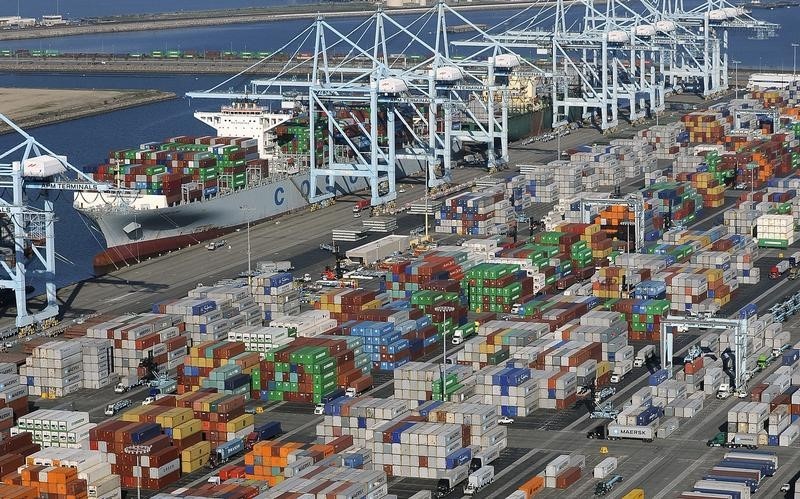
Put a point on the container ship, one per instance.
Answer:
(185, 190)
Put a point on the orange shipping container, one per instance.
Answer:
(532, 486)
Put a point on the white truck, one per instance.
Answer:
(644, 354)
(724, 391)
(127, 383)
(479, 479)
(621, 368)
(618, 431)
(270, 266)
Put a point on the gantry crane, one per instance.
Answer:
(633, 201)
(738, 326)
(28, 166)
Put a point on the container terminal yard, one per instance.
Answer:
(607, 309)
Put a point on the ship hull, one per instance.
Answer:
(132, 236)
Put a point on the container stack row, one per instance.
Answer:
(563, 471)
(442, 269)
(494, 336)
(205, 358)
(665, 139)
(307, 323)
(136, 337)
(475, 214)
(157, 465)
(202, 164)
(67, 473)
(56, 428)
(209, 312)
(309, 369)
(13, 394)
(541, 183)
(276, 295)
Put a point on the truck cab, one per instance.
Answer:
(719, 440)
(598, 433)
(606, 486)
(724, 391)
(764, 361)
(116, 407)
(604, 394)
(646, 353)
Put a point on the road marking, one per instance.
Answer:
(683, 474)
(636, 476)
(121, 297)
(521, 460)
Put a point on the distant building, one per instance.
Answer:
(16, 21)
(766, 81)
(7, 21)
(53, 20)
(408, 3)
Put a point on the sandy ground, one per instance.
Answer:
(29, 107)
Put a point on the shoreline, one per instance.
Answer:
(207, 18)
(127, 99)
(111, 64)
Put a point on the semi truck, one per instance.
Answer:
(448, 484)
(483, 458)
(617, 431)
(479, 479)
(463, 332)
(224, 452)
(779, 269)
(361, 204)
(607, 485)
(738, 441)
(644, 355)
(621, 369)
(274, 266)
(163, 386)
(117, 406)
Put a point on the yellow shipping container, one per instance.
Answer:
(634, 494)
(603, 367)
(240, 422)
(187, 429)
(175, 417)
(196, 451)
(192, 466)
(134, 414)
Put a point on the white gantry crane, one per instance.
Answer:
(30, 166)
(738, 328)
(370, 111)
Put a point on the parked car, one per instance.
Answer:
(505, 420)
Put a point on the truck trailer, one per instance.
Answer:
(617, 431)
(479, 479)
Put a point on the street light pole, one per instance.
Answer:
(444, 309)
(138, 451)
(794, 58)
(736, 78)
(249, 252)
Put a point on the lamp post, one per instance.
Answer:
(444, 309)
(736, 78)
(249, 253)
(794, 57)
(138, 451)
